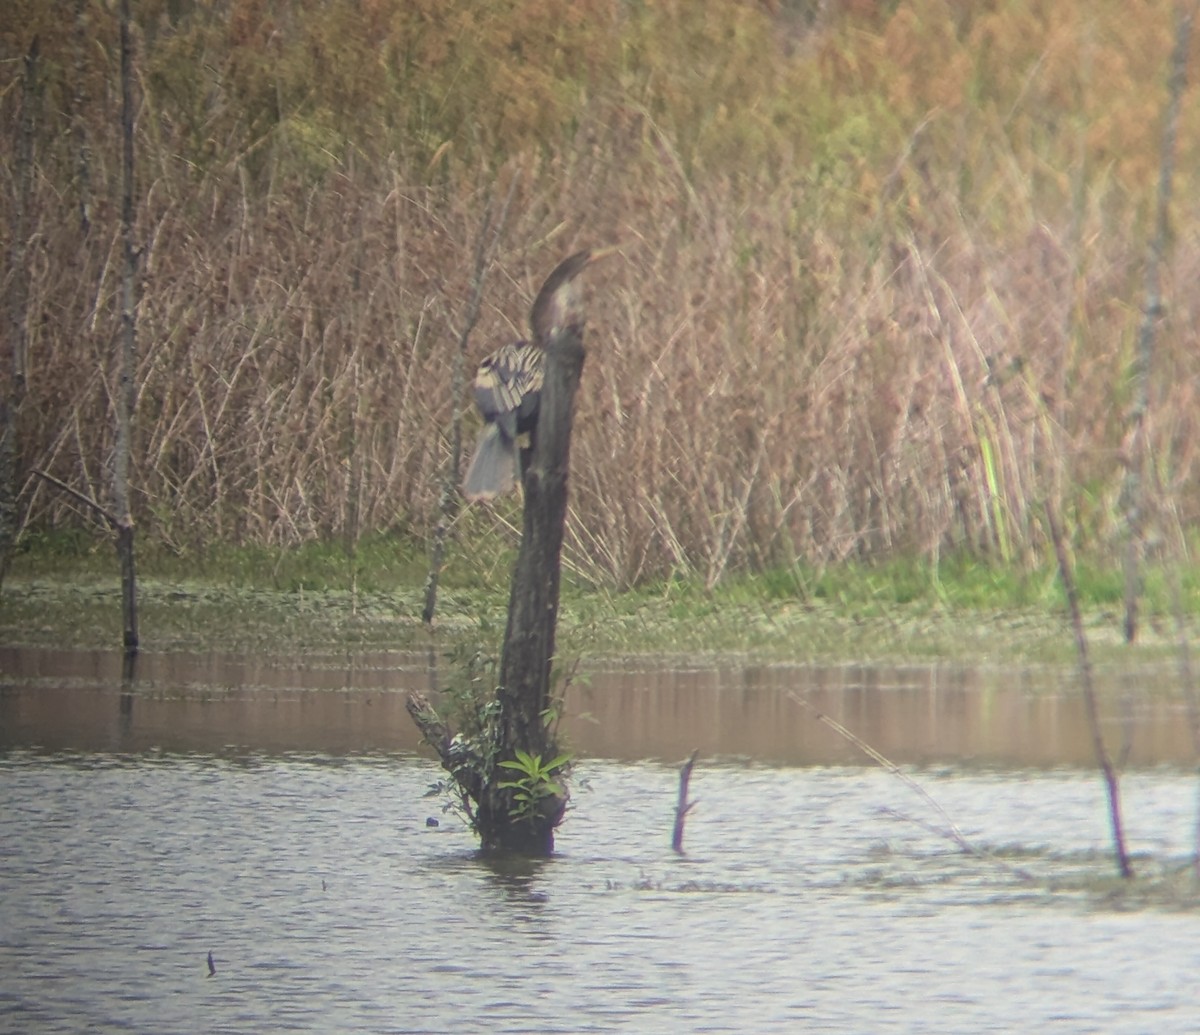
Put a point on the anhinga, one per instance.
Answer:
(508, 383)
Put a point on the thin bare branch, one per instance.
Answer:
(485, 249)
(1133, 490)
(109, 517)
(1091, 706)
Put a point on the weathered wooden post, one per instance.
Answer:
(528, 654)
(509, 773)
(126, 393)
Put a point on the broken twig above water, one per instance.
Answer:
(683, 807)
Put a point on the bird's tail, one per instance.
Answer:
(493, 469)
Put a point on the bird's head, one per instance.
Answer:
(557, 305)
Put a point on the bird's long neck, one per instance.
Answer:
(557, 304)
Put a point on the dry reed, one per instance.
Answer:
(778, 372)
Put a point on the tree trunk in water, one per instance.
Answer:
(508, 778)
(504, 761)
(126, 393)
(528, 655)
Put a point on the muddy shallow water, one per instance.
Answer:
(349, 703)
(275, 815)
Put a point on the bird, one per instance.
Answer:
(508, 383)
(212, 968)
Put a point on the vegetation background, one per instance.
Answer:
(882, 269)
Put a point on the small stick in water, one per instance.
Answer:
(684, 806)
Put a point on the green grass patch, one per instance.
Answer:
(63, 590)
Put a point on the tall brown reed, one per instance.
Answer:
(787, 366)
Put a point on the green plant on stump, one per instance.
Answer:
(535, 784)
(466, 732)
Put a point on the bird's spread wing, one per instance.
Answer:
(507, 378)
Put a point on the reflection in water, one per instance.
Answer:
(274, 816)
(75, 700)
(518, 880)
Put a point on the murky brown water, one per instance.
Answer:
(355, 704)
(274, 814)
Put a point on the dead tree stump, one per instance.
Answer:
(508, 816)
(528, 655)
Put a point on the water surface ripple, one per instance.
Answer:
(814, 899)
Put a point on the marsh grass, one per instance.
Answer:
(63, 592)
(876, 294)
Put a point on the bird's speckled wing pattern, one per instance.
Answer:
(507, 383)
